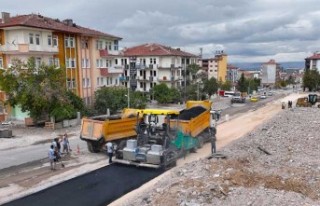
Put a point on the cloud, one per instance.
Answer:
(243, 28)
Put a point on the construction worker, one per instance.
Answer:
(109, 148)
(213, 140)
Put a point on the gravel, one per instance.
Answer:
(276, 164)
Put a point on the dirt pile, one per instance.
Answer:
(276, 164)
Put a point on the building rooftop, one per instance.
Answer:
(153, 49)
(314, 56)
(42, 22)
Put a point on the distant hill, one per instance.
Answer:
(256, 66)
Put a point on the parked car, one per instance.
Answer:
(270, 93)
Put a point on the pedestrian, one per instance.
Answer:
(52, 158)
(65, 144)
(213, 140)
(109, 147)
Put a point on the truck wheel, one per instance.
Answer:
(92, 147)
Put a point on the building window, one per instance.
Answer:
(71, 83)
(56, 62)
(84, 44)
(110, 46)
(49, 40)
(30, 38)
(116, 61)
(98, 81)
(37, 39)
(55, 40)
(38, 62)
(99, 44)
(85, 82)
(115, 45)
(71, 63)
(102, 81)
(69, 42)
(51, 61)
(88, 82)
(1, 63)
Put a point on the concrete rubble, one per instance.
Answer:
(276, 164)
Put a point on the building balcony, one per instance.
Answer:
(27, 48)
(169, 79)
(109, 71)
(104, 53)
(171, 66)
(142, 78)
(123, 79)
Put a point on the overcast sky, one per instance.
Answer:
(247, 30)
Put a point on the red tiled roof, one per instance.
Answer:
(230, 66)
(155, 50)
(38, 21)
(314, 56)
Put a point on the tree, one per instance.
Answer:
(225, 85)
(311, 79)
(115, 99)
(290, 80)
(210, 86)
(38, 90)
(163, 94)
(112, 98)
(138, 100)
(242, 85)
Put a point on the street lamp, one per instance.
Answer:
(128, 97)
(198, 88)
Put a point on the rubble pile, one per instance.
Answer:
(276, 164)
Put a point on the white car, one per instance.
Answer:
(263, 96)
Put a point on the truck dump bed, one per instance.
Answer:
(195, 118)
(109, 128)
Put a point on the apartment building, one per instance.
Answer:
(88, 56)
(313, 62)
(147, 65)
(215, 67)
(270, 73)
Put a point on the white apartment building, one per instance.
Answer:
(148, 65)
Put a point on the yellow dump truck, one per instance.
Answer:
(96, 131)
(167, 135)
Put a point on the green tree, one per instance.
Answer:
(112, 98)
(311, 79)
(225, 85)
(242, 85)
(192, 71)
(290, 80)
(138, 100)
(210, 86)
(161, 93)
(37, 90)
(115, 99)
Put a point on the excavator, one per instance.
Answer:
(309, 101)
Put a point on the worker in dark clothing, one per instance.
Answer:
(213, 140)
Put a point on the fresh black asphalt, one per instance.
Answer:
(99, 187)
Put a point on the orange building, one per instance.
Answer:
(61, 43)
